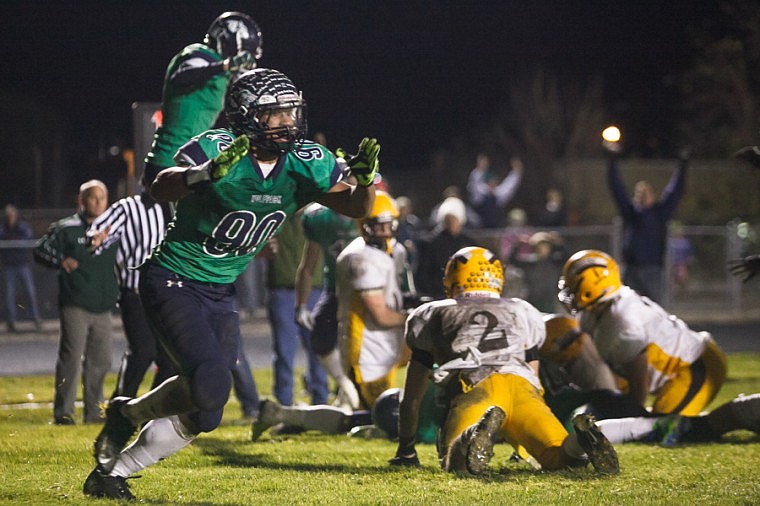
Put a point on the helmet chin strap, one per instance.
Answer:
(384, 244)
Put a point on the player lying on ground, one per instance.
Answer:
(576, 379)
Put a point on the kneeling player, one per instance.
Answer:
(486, 347)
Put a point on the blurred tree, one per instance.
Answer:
(721, 90)
(546, 118)
(32, 173)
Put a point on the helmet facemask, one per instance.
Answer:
(589, 278)
(379, 228)
(278, 139)
(255, 99)
(378, 234)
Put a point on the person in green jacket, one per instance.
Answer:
(88, 290)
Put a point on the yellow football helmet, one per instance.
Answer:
(563, 339)
(473, 271)
(588, 277)
(384, 210)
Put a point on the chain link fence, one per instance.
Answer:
(703, 283)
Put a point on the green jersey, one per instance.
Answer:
(332, 231)
(217, 229)
(187, 110)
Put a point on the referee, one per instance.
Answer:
(138, 222)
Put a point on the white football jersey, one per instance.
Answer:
(474, 337)
(633, 323)
(360, 268)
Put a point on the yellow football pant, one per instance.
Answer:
(529, 422)
(694, 386)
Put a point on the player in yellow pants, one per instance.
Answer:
(486, 348)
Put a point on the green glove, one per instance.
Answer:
(242, 61)
(215, 169)
(364, 164)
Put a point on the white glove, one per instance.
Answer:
(304, 317)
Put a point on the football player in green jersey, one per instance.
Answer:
(234, 190)
(195, 82)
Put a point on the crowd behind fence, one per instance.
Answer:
(709, 284)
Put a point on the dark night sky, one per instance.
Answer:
(413, 74)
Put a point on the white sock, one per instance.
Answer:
(157, 440)
(327, 419)
(623, 430)
(333, 364)
(347, 393)
(572, 447)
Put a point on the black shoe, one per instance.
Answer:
(114, 436)
(64, 420)
(482, 439)
(98, 484)
(600, 451)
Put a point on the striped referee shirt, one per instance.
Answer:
(139, 223)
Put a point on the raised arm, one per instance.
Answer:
(353, 201)
(176, 182)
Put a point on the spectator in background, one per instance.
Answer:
(541, 268)
(439, 244)
(409, 229)
(88, 290)
(489, 197)
(554, 213)
(745, 268)
(681, 255)
(472, 218)
(249, 288)
(645, 221)
(286, 333)
(17, 266)
(517, 235)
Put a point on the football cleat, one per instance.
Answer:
(114, 436)
(98, 484)
(482, 438)
(747, 410)
(598, 448)
(267, 418)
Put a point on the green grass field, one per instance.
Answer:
(42, 463)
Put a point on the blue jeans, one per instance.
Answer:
(244, 385)
(24, 273)
(286, 335)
